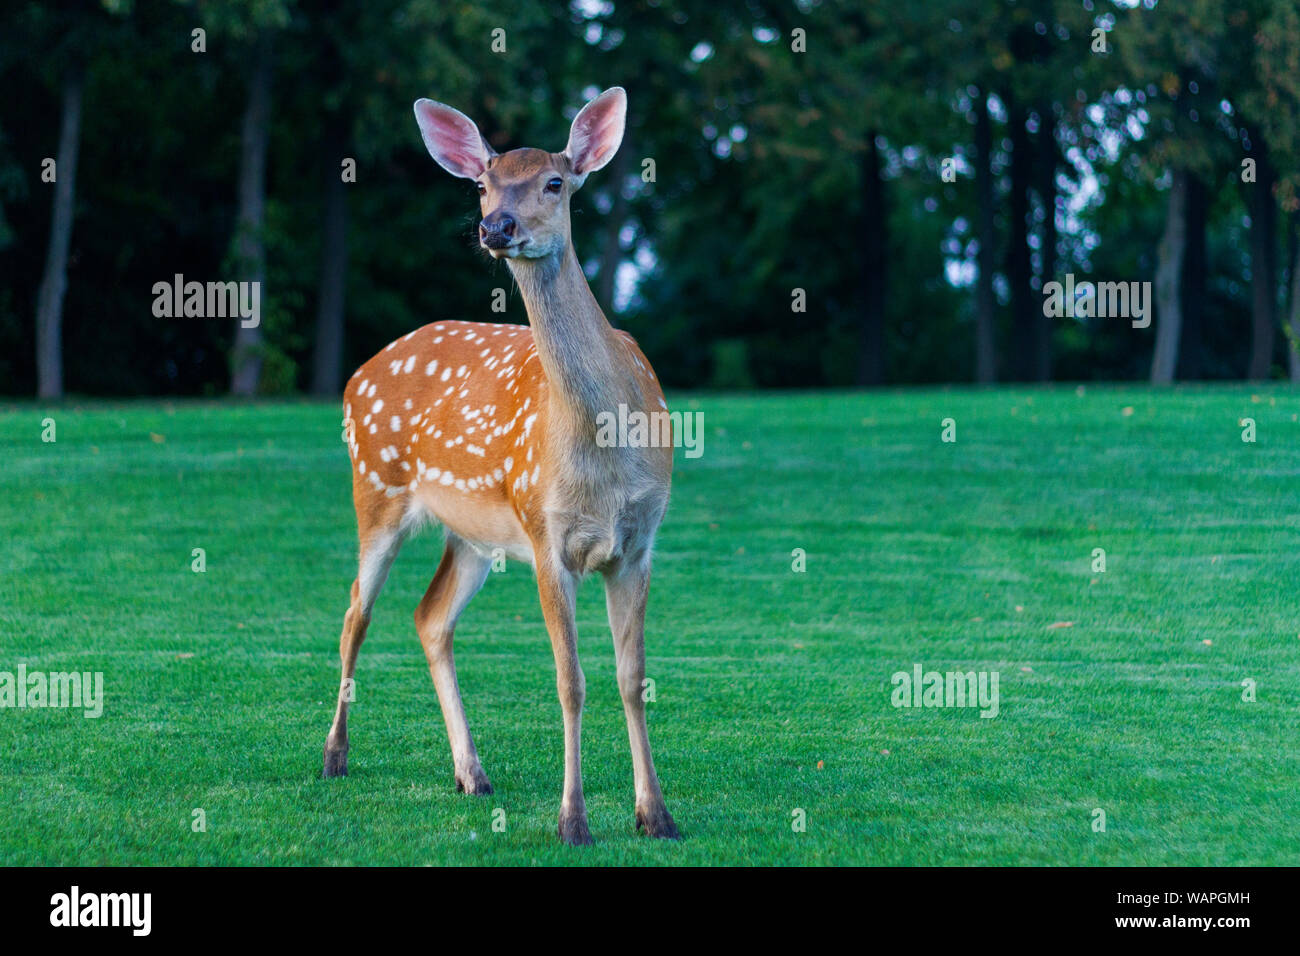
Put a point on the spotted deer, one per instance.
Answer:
(490, 430)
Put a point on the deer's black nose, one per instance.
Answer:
(496, 230)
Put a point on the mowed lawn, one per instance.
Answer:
(773, 687)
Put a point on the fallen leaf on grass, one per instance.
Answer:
(1060, 624)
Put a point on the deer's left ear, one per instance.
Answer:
(597, 132)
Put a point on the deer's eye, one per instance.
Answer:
(482, 190)
(554, 185)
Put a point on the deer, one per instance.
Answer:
(490, 430)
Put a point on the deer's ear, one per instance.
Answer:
(452, 139)
(597, 132)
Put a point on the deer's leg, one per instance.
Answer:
(459, 577)
(377, 556)
(625, 598)
(556, 587)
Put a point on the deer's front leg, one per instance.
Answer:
(625, 597)
(556, 587)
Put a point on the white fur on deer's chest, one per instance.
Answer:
(587, 538)
(607, 508)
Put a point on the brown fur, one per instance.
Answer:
(527, 477)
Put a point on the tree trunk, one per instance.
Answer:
(327, 359)
(1019, 265)
(49, 299)
(1263, 270)
(1047, 196)
(985, 339)
(1293, 323)
(1169, 271)
(1193, 291)
(611, 253)
(250, 246)
(873, 232)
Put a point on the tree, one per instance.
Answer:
(250, 243)
(49, 307)
(1275, 100)
(1175, 61)
(66, 36)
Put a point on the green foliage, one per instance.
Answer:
(760, 154)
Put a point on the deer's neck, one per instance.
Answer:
(574, 340)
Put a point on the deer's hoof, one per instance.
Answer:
(658, 823)
(475, 783)
(336, 764)
(573, 829)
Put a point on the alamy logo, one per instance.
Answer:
(1102, 300)
(211, 300)
(922, 688)
(38, 689)
(103, 909)
(629, 429)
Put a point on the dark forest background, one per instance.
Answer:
(795, 146)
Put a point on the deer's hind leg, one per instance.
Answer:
(378, 551)
(459, 577)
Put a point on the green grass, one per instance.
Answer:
(773, 687)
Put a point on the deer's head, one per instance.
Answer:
(524, 194)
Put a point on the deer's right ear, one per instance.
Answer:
(452, 139)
